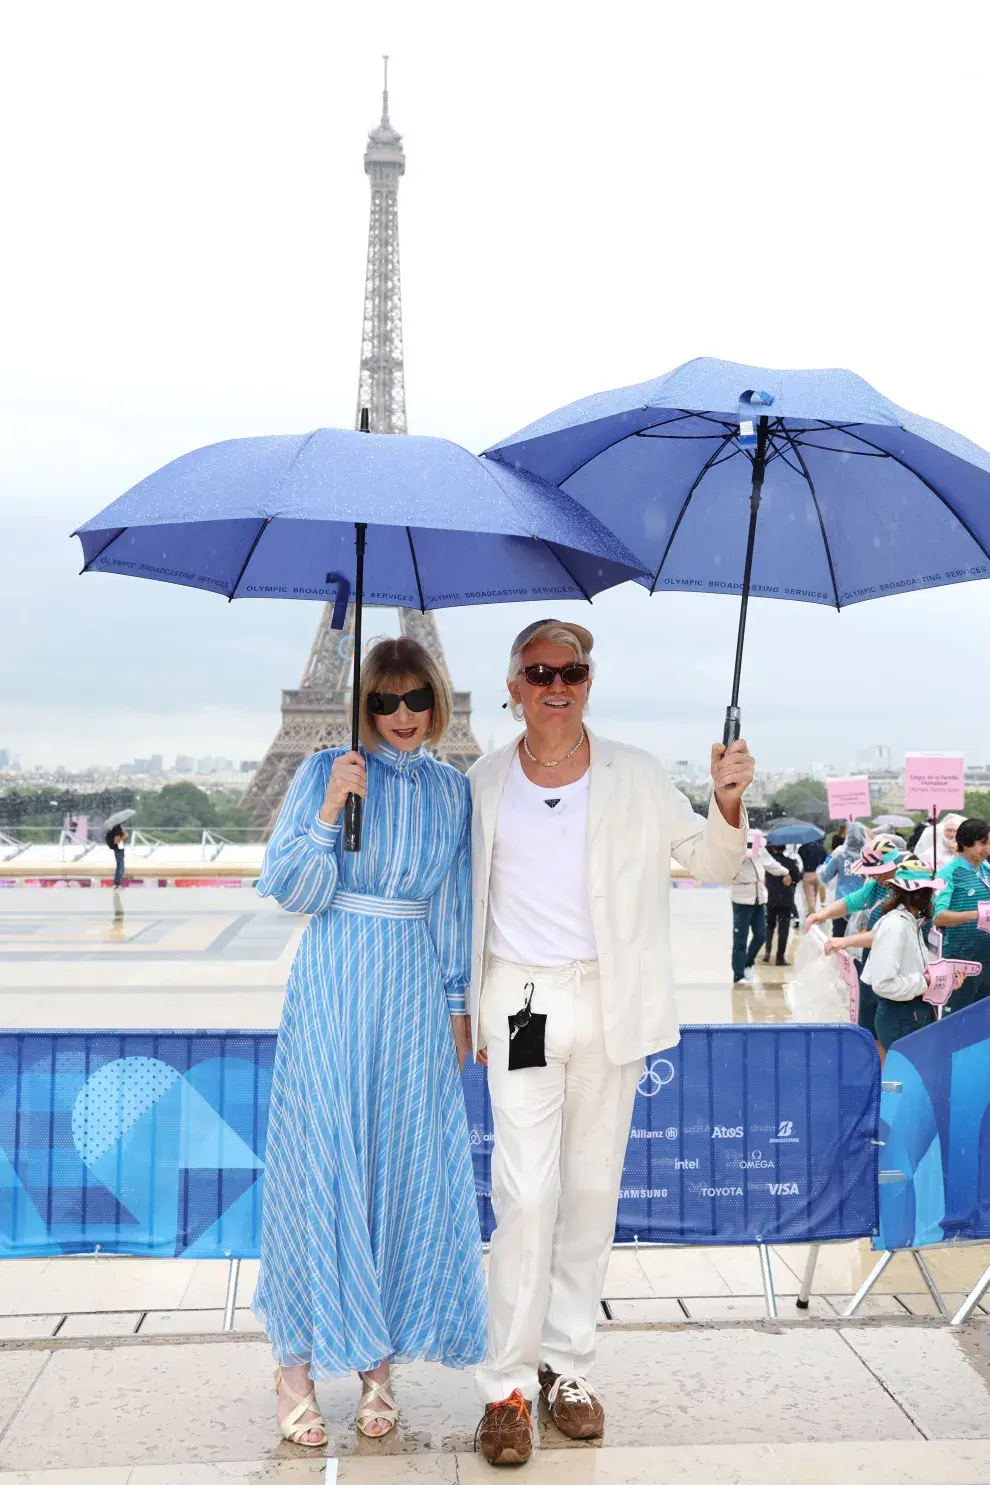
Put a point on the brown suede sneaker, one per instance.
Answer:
(572, 1404)
(505, 1433)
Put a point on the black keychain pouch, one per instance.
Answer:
(527, 1036)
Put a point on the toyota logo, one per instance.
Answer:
(656, 1076)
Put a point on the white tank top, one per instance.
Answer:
(539, 907)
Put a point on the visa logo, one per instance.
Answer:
(784, 1188)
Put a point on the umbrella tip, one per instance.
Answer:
(365, 424)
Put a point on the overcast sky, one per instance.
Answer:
(593, 196)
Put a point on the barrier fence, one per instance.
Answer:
(934, 1170)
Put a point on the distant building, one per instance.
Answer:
(206, 765)
(249, 766)
(156, 763)
(184, 763)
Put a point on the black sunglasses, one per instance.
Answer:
(384, 703)
(543, 675)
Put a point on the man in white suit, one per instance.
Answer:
(572, 987)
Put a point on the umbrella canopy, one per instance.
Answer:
(118, 818)
(893, 822)
(793, 833)
(334, 515)
(857, 498)
(275, 517)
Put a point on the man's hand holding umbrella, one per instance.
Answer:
(732, 771)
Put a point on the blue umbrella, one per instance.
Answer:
(860, 499)
(334, 514)
(793, 833)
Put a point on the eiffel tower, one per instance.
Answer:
(317, 714)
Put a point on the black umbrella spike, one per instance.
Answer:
(353, 805)
(733, 716)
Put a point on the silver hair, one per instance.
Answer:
(556, 636)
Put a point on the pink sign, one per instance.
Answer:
(849, 799)
(756, 844)
(934, 781)
(983, 921)
(942, 978)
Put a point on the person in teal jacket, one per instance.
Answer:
(967, 884)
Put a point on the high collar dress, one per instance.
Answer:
(371, 1245)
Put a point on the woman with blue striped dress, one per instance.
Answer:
(371, 1247)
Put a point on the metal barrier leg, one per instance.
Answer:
(768, 1289)
(972, 1300)
(230, 1303)
(866, 1286)
(930, 1284)
(804, 1298)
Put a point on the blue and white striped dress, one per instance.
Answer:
(371, 1245)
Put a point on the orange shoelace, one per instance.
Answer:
(517, 1402)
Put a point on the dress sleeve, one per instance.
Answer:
(830, 868)
(301, 869)
(450, 917)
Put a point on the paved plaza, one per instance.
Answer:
(116, 1370)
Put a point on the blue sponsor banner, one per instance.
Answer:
(936, 1133)
(133, 1142)
(153, 1143)
(740, 1134)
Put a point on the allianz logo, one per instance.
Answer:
(784, 1188)
(727, 1132)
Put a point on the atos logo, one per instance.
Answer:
(727, 1132)
(657, 1075)
(784, 1188)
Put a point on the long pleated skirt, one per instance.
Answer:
(371, 1245)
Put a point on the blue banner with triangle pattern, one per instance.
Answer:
(133, 1142)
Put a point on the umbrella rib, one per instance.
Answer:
(564, 565)
(927, 484)
(682, 413)
(258, 535)
(818, 511)
(687, 501)
(419, 585)
(105, 547)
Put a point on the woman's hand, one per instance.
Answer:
(958, 978)
(349, 775)
(812, 919)
(787, 880)
(462, 1038)
(832, 945)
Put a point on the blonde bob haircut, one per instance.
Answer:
(400, 665)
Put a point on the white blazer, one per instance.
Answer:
(637, 820)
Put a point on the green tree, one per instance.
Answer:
(977, 804)
(791, 795)
(176, 807)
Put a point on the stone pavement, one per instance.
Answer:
(115, 1370)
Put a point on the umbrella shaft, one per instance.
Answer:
(352, 807)
(733, 715)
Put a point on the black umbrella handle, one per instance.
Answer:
(733, 725)
(352, 822)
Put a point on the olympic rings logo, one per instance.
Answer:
(656, 1076)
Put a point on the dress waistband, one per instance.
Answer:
(380, 907)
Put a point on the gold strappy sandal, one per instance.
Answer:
(372, 1391)
(291, 1427)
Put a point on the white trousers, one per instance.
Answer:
(560, 1142)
